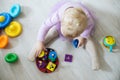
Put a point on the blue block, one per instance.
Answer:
(75, 43)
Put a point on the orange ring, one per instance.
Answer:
(3, 41)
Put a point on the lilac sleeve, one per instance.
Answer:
(89, 28)
(50, 22)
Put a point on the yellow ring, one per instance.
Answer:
(41, 54)
(13, 29)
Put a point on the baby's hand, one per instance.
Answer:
(82, 41)
(39, 47)
(36, 50)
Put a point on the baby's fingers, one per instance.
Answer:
(31, 55)
(37, 53)
(80, 44)
(44, 49)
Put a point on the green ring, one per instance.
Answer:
(11, 57)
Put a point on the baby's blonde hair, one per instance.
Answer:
(74, 22)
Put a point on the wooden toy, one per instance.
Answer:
(5, 19)
(11, 57)
(75, 43)
(47, 61)
(109, 42)
(3, 41)
(68, 58)
(15, 10)
(13, 29)
(51, 66)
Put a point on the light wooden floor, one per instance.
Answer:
(107, 14)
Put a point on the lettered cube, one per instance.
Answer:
(68, 58)
(51, 66)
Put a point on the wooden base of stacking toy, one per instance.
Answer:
(45, 62)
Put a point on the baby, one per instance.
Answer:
(68, 20)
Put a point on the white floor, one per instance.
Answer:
(107, 14)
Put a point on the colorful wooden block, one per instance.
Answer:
(51, 66)
(75, 43)
(68, 58)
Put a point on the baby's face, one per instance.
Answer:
(73, 23)
(70, 29)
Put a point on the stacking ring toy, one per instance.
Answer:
(15, 10)
(3, 41)
(5, 19)
(47, 61)
(13, 29)
(109, 42)
(11, 58)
